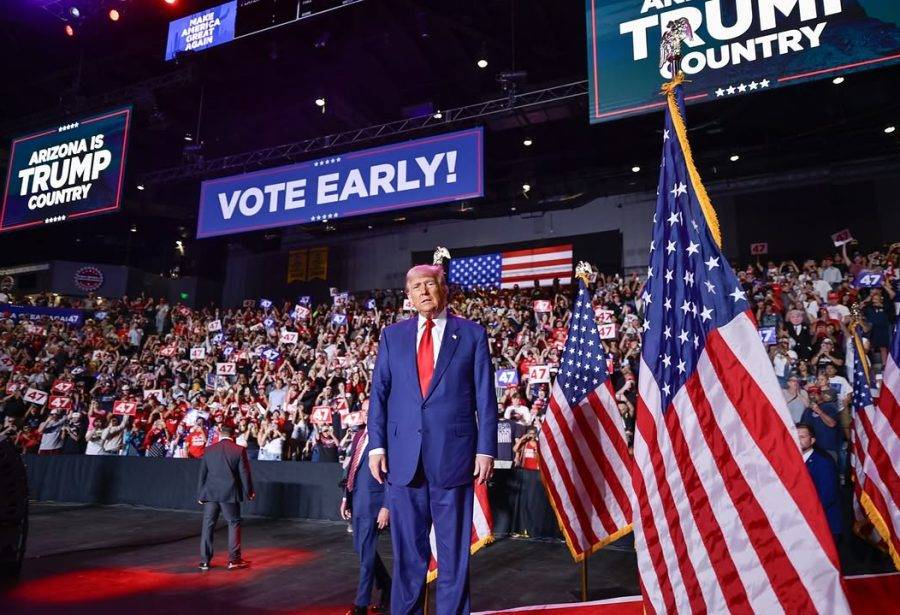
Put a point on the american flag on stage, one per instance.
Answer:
(506, 269)
(726, 516)
(584, 458)
(482, 529)
(876, 448)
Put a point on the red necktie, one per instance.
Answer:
(425, 357)
(354, 461)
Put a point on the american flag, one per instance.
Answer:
(876, 449)
(726, 516)
(507, 269)
(482, 529)
(584, 458)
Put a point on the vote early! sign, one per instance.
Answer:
(66, 172)
(435, 169)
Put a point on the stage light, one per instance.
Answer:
(170, 2)
(513, 208)
(134, 228)
(635, 169)
(438, 115)
(889, 129)
(188, 136)
(837, 80)
(140, 186)
(527, 142)
(70, 31)
(526, 188)
(320, 101)
(74, 12)
(114, 15)
(734, 158)
(482, 63)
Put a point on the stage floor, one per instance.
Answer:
(123, 559)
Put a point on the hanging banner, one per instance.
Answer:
(66, 172)
(297, 265)
(436, 169)
(738, 47)
(31, 312)
(318, 264)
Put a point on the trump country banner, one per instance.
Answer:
(732, 47)
(435, 169)
(66, 172)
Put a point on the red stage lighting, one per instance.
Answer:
(114, 15)
(70, 31)
(170, 2)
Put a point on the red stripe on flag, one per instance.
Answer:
(532, 251)
(539, 276)
(670, 510)
(561, 515)
(614, 437)
(572, 494)
(596, 498)
(772, 438)
(880, 459)
(540, 263)
(707, 524)
(889, 407)
(644, 424)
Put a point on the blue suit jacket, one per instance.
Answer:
(824, 476)
(455, 420)
(368, 495)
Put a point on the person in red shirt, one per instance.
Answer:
(526, 450)
(196, 440)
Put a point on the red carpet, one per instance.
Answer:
(874, 594)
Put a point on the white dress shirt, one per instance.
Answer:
(437, 336)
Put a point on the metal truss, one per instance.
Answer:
(292, 151)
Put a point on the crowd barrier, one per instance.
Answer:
(289, 489)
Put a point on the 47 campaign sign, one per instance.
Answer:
(738, 47)
(66, 172)
(435, 169)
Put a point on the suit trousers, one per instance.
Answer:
(232, 513)
(371, 569)
(413, 509)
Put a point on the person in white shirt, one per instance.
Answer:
(830, 273)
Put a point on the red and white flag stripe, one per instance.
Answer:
(585, 466)
(544, 264)
(482, 529)
(727, 518)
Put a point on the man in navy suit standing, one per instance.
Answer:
(432, 428)
(364, 503)
(823, 472)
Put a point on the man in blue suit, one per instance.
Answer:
(432, 428)
(364, 503)
(823, 472)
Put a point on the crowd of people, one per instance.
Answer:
(144, 377)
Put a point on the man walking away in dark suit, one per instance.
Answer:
(365, 502)
(223, 484)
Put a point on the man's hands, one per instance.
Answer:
(345, 511)
(384, 517)
(378, 467)
(484, 468)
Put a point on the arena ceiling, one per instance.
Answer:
(375, 62)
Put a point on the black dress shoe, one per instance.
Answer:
(204, 566)
(241, 563)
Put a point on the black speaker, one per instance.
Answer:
(13, 509)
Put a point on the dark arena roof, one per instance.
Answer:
(374, 63)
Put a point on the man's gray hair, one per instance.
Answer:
(430, 271)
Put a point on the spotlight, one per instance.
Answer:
(635, 169)
(438, 115)
(134, 228)
(526, 188)
(837, 80)
(482, 63)
(188, 136)
(74, 12)
(170, 2)
(527, 142)
(320, 102)
(734, 158)
(140, 186)
(889, 129)
(70, 31)
(513, 208)
(114, 15)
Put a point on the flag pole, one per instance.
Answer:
(425, 609)
(584, 272)
(584, 578)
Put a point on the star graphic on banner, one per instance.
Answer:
(730, 89)
(712, 263)
(742, 88)
(670, 247)
(669, 273)
(674, 218)
(652, 246)
(720, 92)
(710, 287)
(681, 366)
(667, 304)
(667, 332)
(706, 314)
(666, 389)
(764, 83)
(667, 360)
(686, 306)
(683, 336)
(753, 85)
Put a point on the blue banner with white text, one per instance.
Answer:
(202, 30)
(436, 169)
(32, 312)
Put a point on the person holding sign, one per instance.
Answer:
(432, 427)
